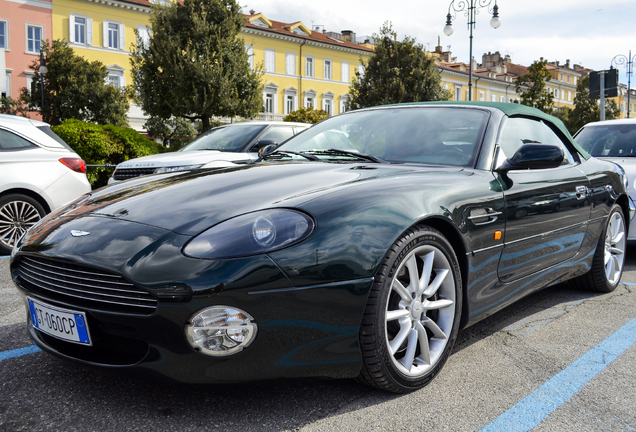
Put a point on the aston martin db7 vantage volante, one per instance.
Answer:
(358, 248)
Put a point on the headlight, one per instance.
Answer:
(220, 331)
(251, 234)
(176, 168)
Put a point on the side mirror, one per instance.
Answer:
(268, 149)
(262, 144)
(533, 156)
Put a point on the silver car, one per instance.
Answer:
(39, 172)
(613, 140)
(220, 146)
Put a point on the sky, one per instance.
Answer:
(589, 33)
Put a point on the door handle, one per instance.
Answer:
(483, 216)
(581, 192)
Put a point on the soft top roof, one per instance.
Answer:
(511, 110)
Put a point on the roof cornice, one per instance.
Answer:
(119, 4)
(301, 40)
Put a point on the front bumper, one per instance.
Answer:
(302, 331)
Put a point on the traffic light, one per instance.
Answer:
(611, 83)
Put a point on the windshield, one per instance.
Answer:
(608, 140)
(225, 138)
(431, 135)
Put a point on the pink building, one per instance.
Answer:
(24, 24)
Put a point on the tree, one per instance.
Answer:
(174, 132)
(397, 72)
(14, 106)
(75, 88)
(306, 115)
(535, 93)
(193, 65)
(587, 110)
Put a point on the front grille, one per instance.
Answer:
(128, 173)
(83, 286)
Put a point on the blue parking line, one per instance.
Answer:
(7, 256)
(534, 408)
(628, 283)
(6, 355)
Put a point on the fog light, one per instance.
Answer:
(220, 331)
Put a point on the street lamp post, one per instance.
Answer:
(628, 61)
(471, 10)
(43, 70)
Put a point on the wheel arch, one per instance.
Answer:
(452, 234)
(28, 193)
(623, 201)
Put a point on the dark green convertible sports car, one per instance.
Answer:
(358, 248)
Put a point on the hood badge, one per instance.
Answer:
(78, 233)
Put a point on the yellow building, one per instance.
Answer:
(104, 30)
(302, 67)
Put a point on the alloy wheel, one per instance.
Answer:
(16, 217)
(420, 311)
(614, 248)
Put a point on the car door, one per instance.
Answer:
(546, 209)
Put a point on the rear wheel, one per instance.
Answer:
(412, 315)
(18, 213)
(609, 258)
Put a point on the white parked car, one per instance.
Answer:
(39, 172)
(614, 140)
(219, 146)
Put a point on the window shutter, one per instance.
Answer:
(105, 33)
(71, 28)
(89, 31)
(122, 81)
(345, 72)
(295, 103)
(122, 37)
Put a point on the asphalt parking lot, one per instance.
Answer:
(559, 360)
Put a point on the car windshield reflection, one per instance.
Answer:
(228, 139)
(440, 135)
(609, 140)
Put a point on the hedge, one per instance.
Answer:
(104, 144)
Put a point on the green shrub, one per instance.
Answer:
(102, 145)
(306, 115)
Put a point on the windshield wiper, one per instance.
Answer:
(306, 156)
(363, 156)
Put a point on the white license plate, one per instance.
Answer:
(64, 324)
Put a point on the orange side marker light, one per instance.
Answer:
(497, 235)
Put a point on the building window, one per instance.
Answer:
(569, 95)
(344, 103)
(113, 34)
(445, 86)
(289, 104)
(4, 34)
(269, 103)
(250, 55)
(34, 38)
(291, 101)
(327, 69)
(116, 76)
(80, 29)
(7, 91)
(493, 98)
(481, 96)
(458, 93)
(309, 66)
(344, 72)
(29, 81)
(310, 99)
(556, 93)
(270, 60)
(502, 99)
(290, 63)
(143, 34)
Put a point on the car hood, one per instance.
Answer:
(195, 157)
(193, 201)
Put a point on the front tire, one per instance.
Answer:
(18, 213)
(609, 258)
(412, 316)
